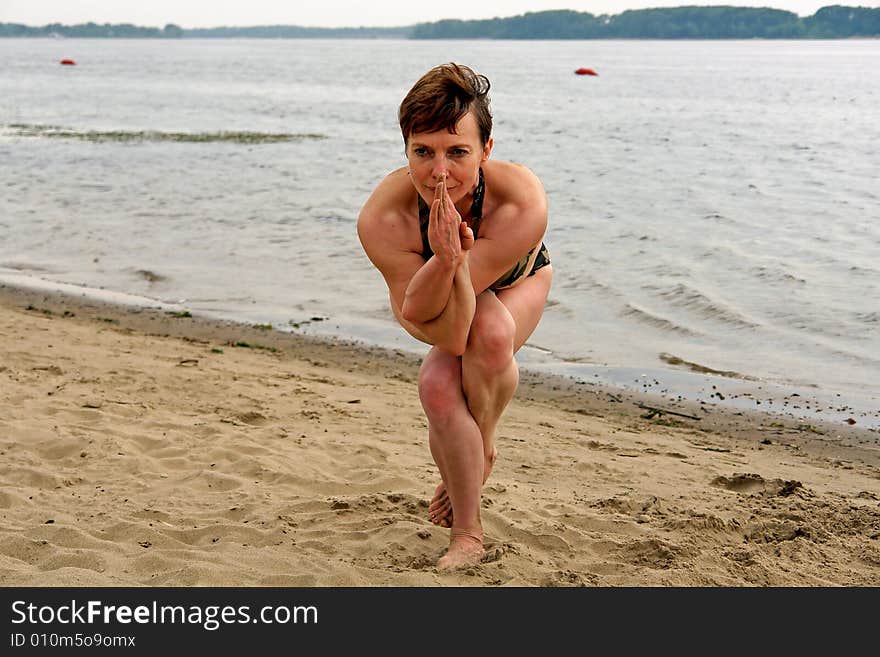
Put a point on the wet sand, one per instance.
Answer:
(141, 448)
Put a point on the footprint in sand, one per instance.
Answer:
(755, 483)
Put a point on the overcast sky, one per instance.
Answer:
(331, 13)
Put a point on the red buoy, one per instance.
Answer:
(68, 62)
(586, 71)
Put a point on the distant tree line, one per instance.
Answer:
(833, 22)
(294, 32)
(171, 31)
(837, 21)
(92, 31)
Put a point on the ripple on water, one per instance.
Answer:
(646, 317)
(686, 297)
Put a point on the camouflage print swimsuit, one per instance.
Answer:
(519, 270)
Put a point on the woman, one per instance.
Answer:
(458, 239)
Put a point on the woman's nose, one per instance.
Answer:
(440, 167)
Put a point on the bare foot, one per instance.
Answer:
(465, 549)
(440, 508)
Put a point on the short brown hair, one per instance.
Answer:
(441, 97)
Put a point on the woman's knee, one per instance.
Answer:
(440, 387)
(491, 341)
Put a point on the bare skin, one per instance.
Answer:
(440, 507)
(470, 374)
(492, 386)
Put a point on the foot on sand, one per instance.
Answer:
(465, 549)
(440, 508)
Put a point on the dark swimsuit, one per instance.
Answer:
(519, 270)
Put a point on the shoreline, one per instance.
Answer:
(591, 397)
(144, 448)
(664, 379)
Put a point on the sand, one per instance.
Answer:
(139, 448)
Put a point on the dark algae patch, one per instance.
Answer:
(99, 136)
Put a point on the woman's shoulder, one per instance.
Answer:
(392, 196)
(513, 183)
(389, 212)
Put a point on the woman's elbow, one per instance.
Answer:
(409, 314)
(451, 342)
(456, 347)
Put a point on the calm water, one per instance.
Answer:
(715, 202)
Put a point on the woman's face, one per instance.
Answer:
(459, 156)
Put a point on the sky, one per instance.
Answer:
(333, 13)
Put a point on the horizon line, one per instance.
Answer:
(397, 27)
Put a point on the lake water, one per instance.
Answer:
(714, 205)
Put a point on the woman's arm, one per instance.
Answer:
(450, 329)
(427, 293)
(518, 223)
(434, 300)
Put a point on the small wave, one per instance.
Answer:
(862, 271)
(686, 297)
(719, 218)
(667, 270)
(99, 136)
(538, 347)
(773, 275)
(35, 283)
(857, 359)
(658, 322)
(868, 318)
(587, 283)
(702, 369)
(629, 236)
(27, 266)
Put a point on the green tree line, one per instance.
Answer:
(295, 32)
(92, 31)
(171, 31)
(832, 22)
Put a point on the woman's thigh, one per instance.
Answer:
(525, 303)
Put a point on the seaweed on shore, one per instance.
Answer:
(247, 345)
(100, 136)
(48, 312)
(696, 367)
(150, 276)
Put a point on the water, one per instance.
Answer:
(714, 205)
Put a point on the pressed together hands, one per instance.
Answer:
(439, 300)
(448, 235)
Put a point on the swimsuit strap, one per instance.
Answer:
(477, 204)
(474, 223)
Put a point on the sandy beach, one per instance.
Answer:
(140, 448)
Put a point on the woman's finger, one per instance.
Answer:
(440, 192)
(466, 234)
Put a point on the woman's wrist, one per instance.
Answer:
(449, 262)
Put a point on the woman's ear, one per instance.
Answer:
(487, 149)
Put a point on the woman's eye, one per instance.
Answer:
(421, 152)
(459, 152)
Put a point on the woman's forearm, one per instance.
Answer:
(427, 294)
(450, 329)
